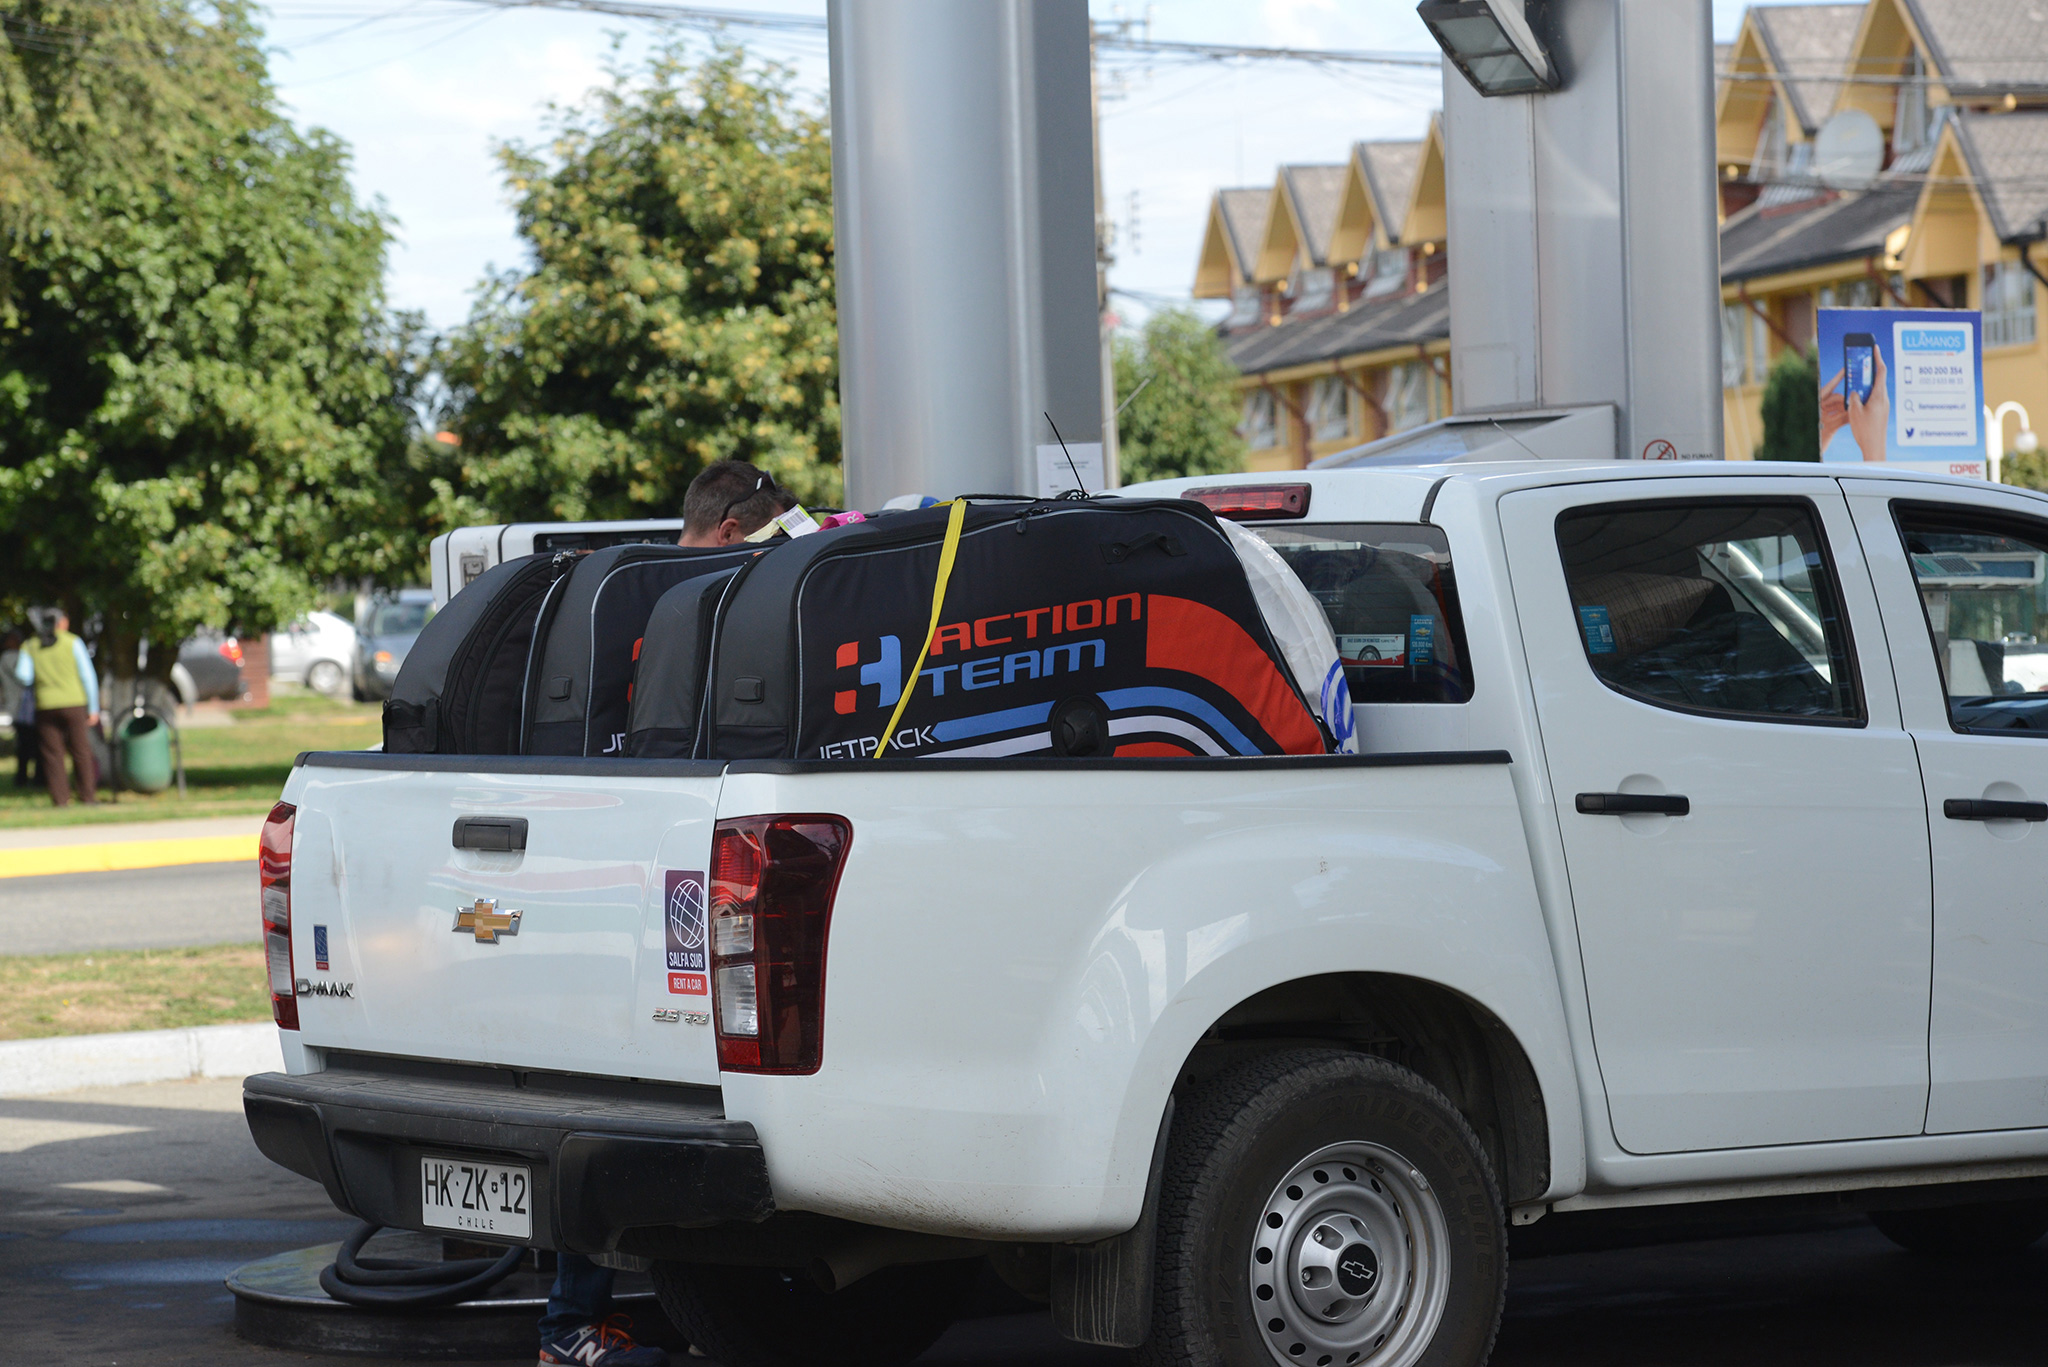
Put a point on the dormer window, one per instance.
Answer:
(1246, 306)
(1312, 290)
(1259, 430)
(1389, 272)
(1912, 122)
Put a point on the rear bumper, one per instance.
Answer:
(605, 1157)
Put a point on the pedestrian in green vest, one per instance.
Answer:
(67, 690)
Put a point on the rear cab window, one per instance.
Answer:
(1392, 600)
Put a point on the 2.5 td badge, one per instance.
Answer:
(687, 926)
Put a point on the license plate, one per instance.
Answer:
(476, 1198)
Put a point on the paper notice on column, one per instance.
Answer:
(1056, 475)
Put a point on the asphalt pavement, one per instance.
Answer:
(121, 1209)
(166, 908)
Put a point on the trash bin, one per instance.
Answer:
(144, 746)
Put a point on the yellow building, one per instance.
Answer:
(1959, 94)
(1340, 321)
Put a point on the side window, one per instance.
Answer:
(1719, 606)
(1981, 584)
(1392, 603)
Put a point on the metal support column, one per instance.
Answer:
(964, 199)
(1583, 238)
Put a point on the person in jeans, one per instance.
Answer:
(579, 1326)
(726, 503)
(67, 692)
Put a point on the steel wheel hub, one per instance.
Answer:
(1349, 1263)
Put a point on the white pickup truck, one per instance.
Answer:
(1697, 852)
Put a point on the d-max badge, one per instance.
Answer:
(486, 922)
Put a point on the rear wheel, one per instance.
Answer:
(766, 1317)
(1965, 1231)
(324, 676)
(1328, 1209)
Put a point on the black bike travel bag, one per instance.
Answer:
(664, 720)
(458, 691)
(589, 637)
(1069, 627)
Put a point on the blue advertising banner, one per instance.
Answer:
(1903, 386)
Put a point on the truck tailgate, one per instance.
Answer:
(394, 955)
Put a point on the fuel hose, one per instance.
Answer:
(406, 1283)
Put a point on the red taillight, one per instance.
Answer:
(1244, 502)
(232, 649)
(772, 883)
(274, 865)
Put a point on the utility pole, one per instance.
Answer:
(964, 198)
(1104, 259)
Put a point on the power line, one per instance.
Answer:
(1115, 39)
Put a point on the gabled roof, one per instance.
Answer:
(1230, 245)
(1389, 170)
(1376, 187)
(1299, 222)
(2008, 160)
(1809, 48)
(1759, 242)
(1423, 217)
(1399, 321)
(1985, 46)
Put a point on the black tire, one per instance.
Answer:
(324, 676)
(1980, 1231)
(762, 1317)
(1387, 1166)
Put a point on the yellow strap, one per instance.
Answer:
(947, 551)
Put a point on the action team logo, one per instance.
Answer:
(885, 674)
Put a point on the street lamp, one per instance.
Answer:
(1493, 43)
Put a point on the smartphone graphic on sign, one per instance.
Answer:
(1859, 365)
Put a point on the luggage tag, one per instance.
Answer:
(795, 522)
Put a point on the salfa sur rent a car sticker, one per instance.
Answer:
(1903, 386)
(686, 925)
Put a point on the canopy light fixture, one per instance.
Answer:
(1493, 43)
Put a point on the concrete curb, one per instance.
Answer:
(34, 1067)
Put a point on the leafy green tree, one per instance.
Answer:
(202, 403)
(678, 309)
(1182, 412)
(1792, 409)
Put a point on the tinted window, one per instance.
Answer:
(1392, 602)
(399, 619)
(1981, 586)
(1711, 606)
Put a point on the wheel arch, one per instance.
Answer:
(1451, 1041)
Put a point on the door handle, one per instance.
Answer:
(495, 833)
(1634, 804)
(1982, 809)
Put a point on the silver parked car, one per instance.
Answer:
(317, 650)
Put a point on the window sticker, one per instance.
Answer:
(1599, 631)
(1421, 638)
(686, 924)
(1373, 650)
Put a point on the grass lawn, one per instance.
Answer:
(229, 770)
(137, 989)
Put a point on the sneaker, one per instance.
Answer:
(601, 1345)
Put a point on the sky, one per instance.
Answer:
(423, 92)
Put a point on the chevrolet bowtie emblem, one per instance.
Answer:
(486, 921)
